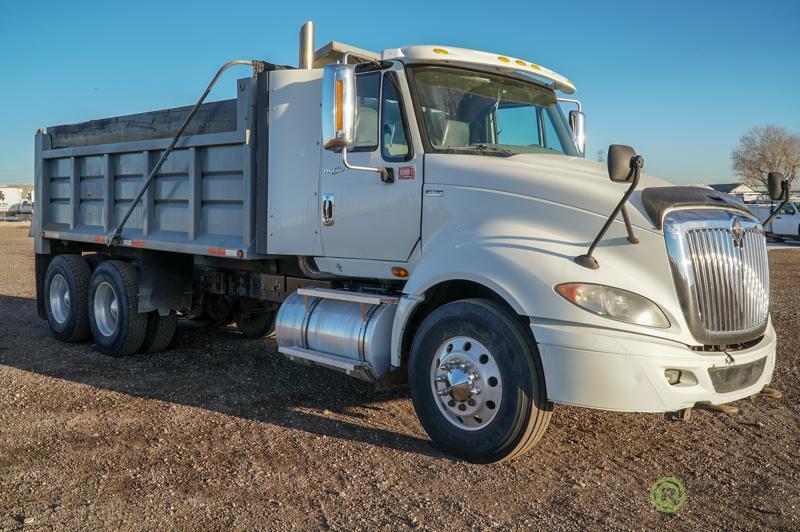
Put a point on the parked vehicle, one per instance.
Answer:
(785, 225)
(9, 196)
(436, 222)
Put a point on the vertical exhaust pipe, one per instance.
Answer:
(307, 46)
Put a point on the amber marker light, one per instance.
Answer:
(339, 111)
(399, 272)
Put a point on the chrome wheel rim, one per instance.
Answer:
(60, 299)
(466, 383)
(106, 309)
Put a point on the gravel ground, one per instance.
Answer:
(221, 431)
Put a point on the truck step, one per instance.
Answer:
(349, 295)
(354, 368)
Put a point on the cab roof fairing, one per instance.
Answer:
(475, 58)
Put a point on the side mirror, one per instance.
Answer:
(577, 122)
(620, 166)
(777, 186)
(338, 106)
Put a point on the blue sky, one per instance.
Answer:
(680, 81)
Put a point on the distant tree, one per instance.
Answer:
(766, 149)
(601, 156)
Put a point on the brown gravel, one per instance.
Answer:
(223, 432)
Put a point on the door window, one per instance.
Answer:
(394, 146)
(367, 96)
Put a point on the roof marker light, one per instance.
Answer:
(440, 51)
(537, 67)
(503, 58)
(521, 62)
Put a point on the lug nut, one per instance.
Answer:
(471, 402)
(451, 403)
(462, 406)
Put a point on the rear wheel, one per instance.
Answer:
(117, 326)
(477, 382)
(160, 331)
(65, 298)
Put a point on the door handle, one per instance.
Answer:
(328, 210)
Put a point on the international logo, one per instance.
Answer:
(737, 232)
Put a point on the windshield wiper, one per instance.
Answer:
(485, 147)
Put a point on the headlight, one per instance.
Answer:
(614, 303)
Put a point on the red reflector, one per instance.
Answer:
(99, 239)
(216, 251)
(406, 172)
(137, 243)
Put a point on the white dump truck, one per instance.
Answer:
(422, 214)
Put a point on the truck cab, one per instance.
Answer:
(425, 215)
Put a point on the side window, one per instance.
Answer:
(517, 125)
(368, 93)
(788, 209)
(394, 145)
(552, 137)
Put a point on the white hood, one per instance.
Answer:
(571, 181)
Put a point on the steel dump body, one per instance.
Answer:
(202, 200)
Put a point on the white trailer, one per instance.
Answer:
(9, 196)
(435, 223)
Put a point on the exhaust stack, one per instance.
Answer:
(307, 46)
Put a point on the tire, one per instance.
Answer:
(257, 323)
(510, 412)
(66, 293)
(160, 332)
(120, 332)
(95, 259)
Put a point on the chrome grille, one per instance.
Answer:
(721, 272)
(732, 281)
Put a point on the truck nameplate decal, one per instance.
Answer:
(434, 193)
(407, 172)
(333, 171)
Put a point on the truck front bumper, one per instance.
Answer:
(614, 370)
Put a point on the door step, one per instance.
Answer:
(354, 368)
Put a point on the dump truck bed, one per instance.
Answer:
(202, 201)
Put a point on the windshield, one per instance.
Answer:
(464, 111)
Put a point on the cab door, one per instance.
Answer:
(362, 216)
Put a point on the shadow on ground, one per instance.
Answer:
(212, 369)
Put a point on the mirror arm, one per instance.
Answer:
(387, 174)
(773, 214)
(586, 260)
(628, 226)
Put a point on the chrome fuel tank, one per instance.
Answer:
(338, 330)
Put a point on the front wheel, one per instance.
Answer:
(477, 382)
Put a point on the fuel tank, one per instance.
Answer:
(337, 333)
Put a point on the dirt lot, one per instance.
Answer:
(222, 431)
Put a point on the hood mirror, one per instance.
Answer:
(777, 186)
(619, 160)
(624, 166)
